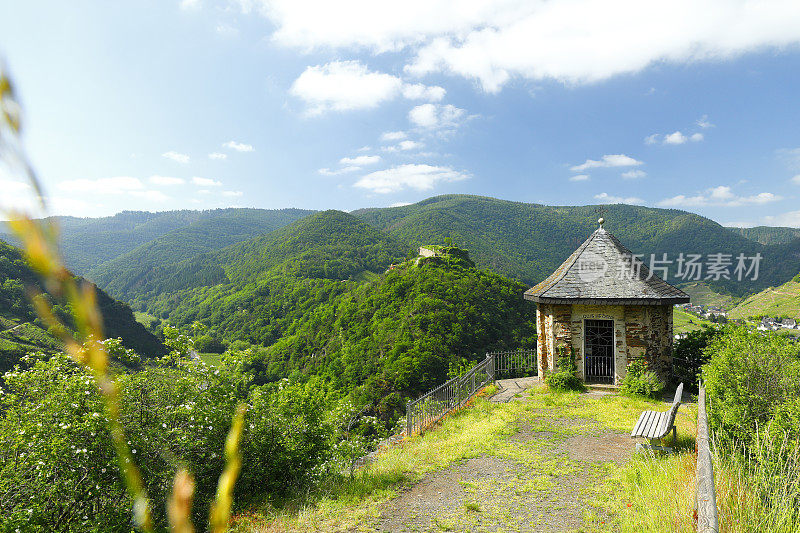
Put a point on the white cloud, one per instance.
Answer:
(791, 219)
(633, 174)
(239, 147)
(721, 196)
(703, 122)
(176, 156)
(796, 180)
(206, 182)
(343, 170)
(217, 155)
(436, 116)
(675, 138)
(17, 195)
(417, 91)
(393, 135)
(361, 160)
(606, 198)
(190, 4)
(364, 149)
(350, 85)
(232, 193)
(419, 177)
(410, 145)
(573, 41)
(580, 177)
(608, 160)
(166, 180)
(400, 204)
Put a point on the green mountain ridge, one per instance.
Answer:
(142, 267)
(529, 241)
(265, 283)
(21, 332)
(768, 234)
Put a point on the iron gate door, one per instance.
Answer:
(599, 360)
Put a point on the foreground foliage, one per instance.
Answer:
(58, 463)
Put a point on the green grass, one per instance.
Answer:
(211, 359)
(683, 322)
(777, 301)
(702, 294)
(483, 429)
(144, 319)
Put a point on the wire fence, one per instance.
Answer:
(454, 393)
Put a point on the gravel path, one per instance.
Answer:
(538, 480)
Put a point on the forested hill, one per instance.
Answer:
(88, 242)
(769, 234)
(528, 241)
(329, 245)
(215, 230)
(262, 285)
(21, 331)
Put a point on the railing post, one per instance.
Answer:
(707, 521)
(408, 419)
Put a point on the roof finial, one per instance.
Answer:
(600, 210)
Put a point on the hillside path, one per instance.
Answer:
(539, 480)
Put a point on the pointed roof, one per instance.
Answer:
(603, 271)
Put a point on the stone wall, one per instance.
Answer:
(639, 331)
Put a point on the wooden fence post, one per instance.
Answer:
(707, 521)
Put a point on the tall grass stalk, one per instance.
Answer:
(758, 486)
(40, 244)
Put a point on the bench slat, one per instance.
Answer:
(639, 424)
(658, 424)
(655, 428)
(647, 418)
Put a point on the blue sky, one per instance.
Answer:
(199, 104)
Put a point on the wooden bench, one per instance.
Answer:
(655, 425)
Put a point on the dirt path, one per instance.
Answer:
(539, 479)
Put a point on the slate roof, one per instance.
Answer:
(601, 271)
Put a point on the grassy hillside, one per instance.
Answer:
(121, 275)
(21, 331)
(528, 241)
(683, 322)
(702, 293)
(783, 300)
(768, 234)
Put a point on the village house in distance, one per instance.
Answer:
(608, 308)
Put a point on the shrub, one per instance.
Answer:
(564, 379)
(639, 380)
(689, 354)
(751, 379)
(57, 463)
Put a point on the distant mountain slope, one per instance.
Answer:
(88, 242)
(253, 290)
(21, 332)
(768, 234)
(528, 241)
(216, 230)
(783, 300)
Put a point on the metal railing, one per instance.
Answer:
(454, 393)
(707, 521)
